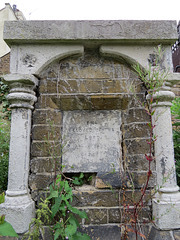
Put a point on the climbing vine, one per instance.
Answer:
(153, 79)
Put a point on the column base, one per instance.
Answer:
(166, 211)
(19, 212)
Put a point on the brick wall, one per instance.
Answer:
(92, 83)
(5, 64)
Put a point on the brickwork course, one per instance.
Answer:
(5, 64)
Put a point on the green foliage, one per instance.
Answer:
(7, 230)
(56, 210)
(154, 76)
(62, 212)
(4, 152)
(78, 180)
(175, 110)
(36, 225)
(2, 197)
(4, 90)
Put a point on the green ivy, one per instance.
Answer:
(4, 90)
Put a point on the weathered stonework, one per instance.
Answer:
(85, 75)
(99, 134)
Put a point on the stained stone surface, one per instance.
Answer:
(93, 141)
(49, 31)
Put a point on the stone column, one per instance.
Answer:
(166, 202)
(19, 207)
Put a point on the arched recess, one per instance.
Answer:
(85, 91)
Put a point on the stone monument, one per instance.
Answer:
(79, 75)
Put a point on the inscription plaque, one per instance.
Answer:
(93, 141)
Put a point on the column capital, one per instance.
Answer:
(21, 94)
(172, 79)
(20, 78)
(162, 97)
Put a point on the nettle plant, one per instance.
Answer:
(153, 79)
(56, 210)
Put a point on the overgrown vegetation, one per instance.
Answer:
(4, 90)
(4, 152)
(175, 110)
(4, 135)
(57, 212)
(153, 79)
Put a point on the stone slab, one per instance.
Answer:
(121, 30)
(176, 234)
(105, 232)
(109, 180)
(156, 234)
(93, 141)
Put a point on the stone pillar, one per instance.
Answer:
(166, 202)
(19, 207)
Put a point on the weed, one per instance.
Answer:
(153, 79)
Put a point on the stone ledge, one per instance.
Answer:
(156, 234)
(120, 31)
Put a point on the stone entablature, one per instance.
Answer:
(120, 31)
(83, 71)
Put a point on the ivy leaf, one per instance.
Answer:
(7, 230)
